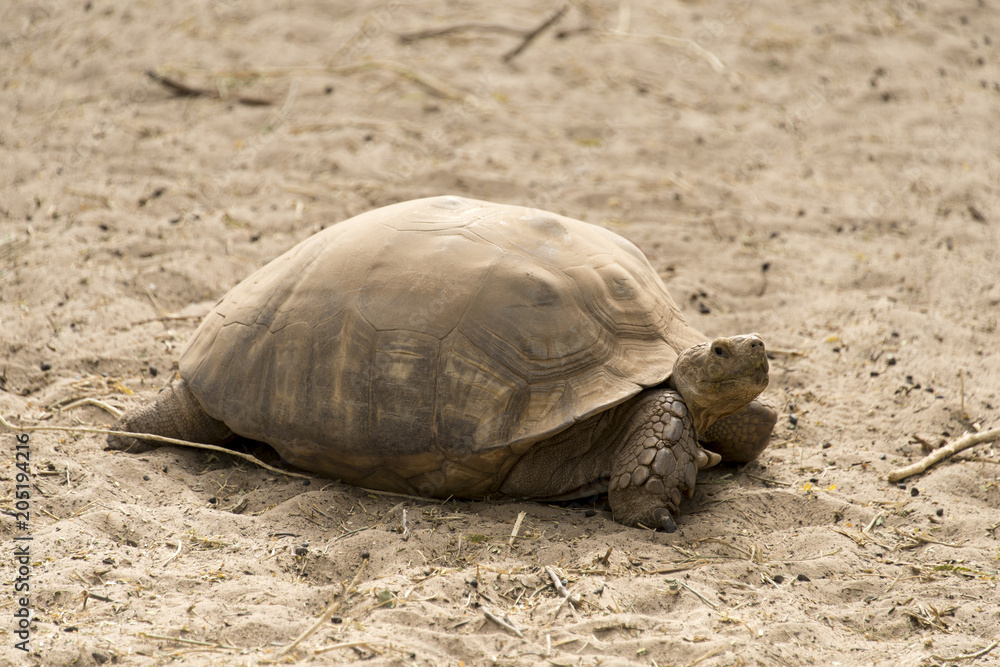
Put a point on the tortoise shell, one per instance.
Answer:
(424, 346)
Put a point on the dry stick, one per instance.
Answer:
(501, 622)
(326, 649)
(562, 590)
(110, 409)
(156, 438)
(691, 46)
(184, 90)
(517, 527)
(530, 37)
(434, 86)
(180, 543)
(406, 37)
(966, 441)
(192, 642)
(406, 530)
(331, 609)
(704, 599)
(969, 656)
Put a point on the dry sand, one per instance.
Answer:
(835, 188)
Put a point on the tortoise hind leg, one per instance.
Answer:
(741, 437)
(175, 413)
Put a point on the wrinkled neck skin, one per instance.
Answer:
(704, 413)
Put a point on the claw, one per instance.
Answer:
(667, 522)
(706, 459)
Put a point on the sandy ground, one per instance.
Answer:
(834, 187)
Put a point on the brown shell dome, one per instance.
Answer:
(446, 335)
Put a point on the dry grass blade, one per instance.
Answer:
(331, 609)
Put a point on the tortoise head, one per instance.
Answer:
(719, 378)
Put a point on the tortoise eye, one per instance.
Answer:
(719, 352)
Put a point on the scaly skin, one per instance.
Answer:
(657, 463)
(741, 437)
(175, 413)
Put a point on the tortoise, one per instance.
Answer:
(453, 347)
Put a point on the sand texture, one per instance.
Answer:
(825, 174)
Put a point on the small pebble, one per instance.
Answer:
(778, 579)
(590, 513)
(365, 555)
(940, 511)
(914, 492)
(306, 482)
(213, 500)
(802, 577)
(45, 366)
(792, 419)
(901, 487)
(153, 371)
(145, 478)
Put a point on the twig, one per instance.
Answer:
(326, 649)
(167, 318)
(768, 481)
(433, 86)
(157, 438)
(178, 88)
(562, 590)
(501, 622)
(966, 441)
(406, 37)
(692, 47)
(406, 530)
(183, 90)
(710, 654)
(604, 559)
(919, 538)
(517, 527)
(530, 37)
(704, 599)
(174, 555)
(331, 609)
(871, 523)
(191, 642)
(968, 656)
(110, 409)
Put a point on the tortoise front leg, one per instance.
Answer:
(657, 462)
(741, 437)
